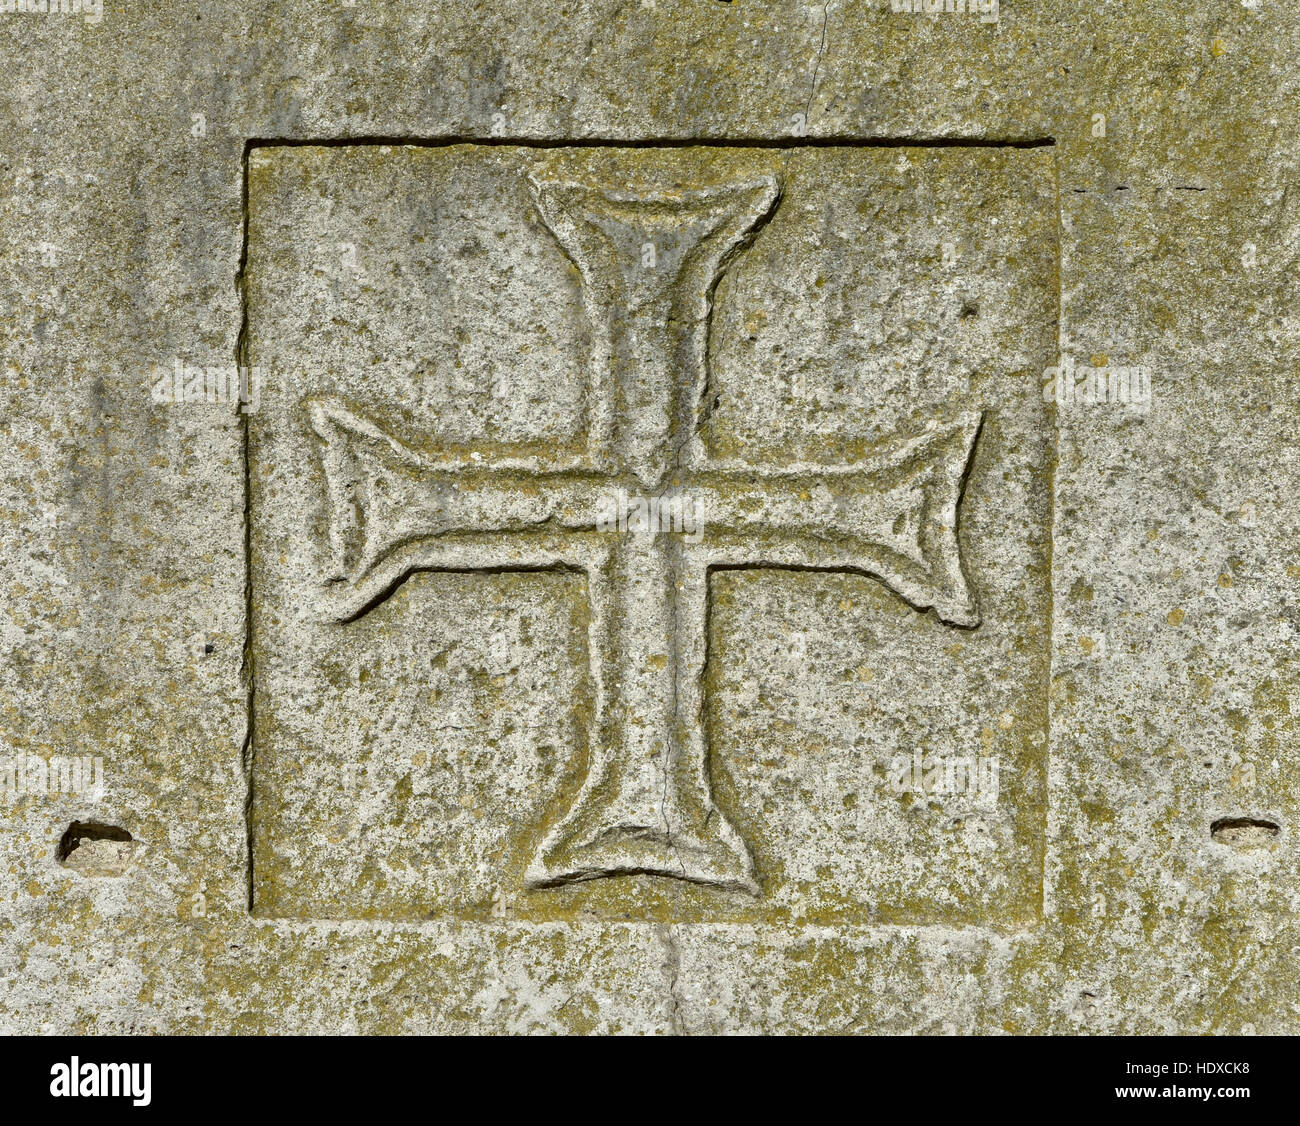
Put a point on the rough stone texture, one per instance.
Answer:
(405, 742)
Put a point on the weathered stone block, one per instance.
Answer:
(649, 517)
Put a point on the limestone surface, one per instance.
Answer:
(650, 516)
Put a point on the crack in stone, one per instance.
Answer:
(673, 964)
(812, 91)
(817, 66)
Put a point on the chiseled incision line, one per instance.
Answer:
(247, 751)
(621, 822)
(540, 145)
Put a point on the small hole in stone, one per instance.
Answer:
(209, 649)
(1244, 832)
(80, 831)
(970, 309)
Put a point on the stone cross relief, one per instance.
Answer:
(645, 805)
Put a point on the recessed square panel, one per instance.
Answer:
(658, 533)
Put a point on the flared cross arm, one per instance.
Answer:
(649, 265)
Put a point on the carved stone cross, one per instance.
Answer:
(649, 265)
